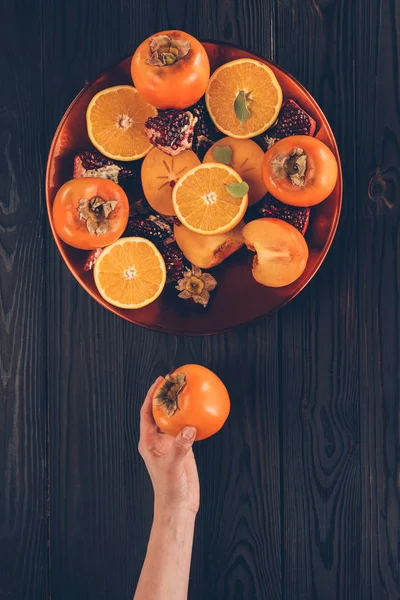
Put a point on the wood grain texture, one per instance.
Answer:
(320, 390)
(240, 539)
(378, 192)
(23, 481)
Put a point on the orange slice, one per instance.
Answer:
(130, 273)
(243, 98)
(203, 202)
(246, 157)
(115, 121)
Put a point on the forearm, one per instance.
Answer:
(165, 573)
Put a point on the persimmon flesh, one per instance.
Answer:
(281, 251)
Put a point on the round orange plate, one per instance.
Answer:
(238, 298)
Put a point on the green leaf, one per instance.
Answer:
(223, 154)
(240, 106)
(237, 190)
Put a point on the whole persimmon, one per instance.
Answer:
(90, 212)
(171, 69)
(191, 396)
(300, 170)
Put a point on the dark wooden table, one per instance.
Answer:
(301, 490)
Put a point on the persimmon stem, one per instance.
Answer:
(292, 166)
(168, 394)
(165, 51)
(95, 212)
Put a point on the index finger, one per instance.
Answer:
(147, 422)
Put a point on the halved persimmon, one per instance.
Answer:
(281, 251)
(207, 251)
(300, 170)
(246, 158)
(160, 173)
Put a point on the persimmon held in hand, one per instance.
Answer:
(300, 170)
(171, 69)
(90, 213)
(191, 396)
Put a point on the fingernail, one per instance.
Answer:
(188, 433)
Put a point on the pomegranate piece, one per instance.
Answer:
(91, 259)
(140, 209)
(153, 228)
(94, 164)
(174, 261)
(205, 132)
(298, 216)
(171, 130)
(292, 120)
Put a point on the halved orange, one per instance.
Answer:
(202, 200)
(115, 121)
(243, 98)
(130, 273)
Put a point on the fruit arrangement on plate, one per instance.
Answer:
(182, 173)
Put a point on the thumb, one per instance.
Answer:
(183, 443)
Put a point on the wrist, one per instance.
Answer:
(166, 513)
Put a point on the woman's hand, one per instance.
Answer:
(172, 468)
(169, 461)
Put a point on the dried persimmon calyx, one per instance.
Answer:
(166, 51)
(95, 212)
(167, 395)
(293, 166)
(196, 285)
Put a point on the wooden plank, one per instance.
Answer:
(23, 481)
(377, 134)
(239, 525)
(320, 389)
(100, 367)
(94, 477)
